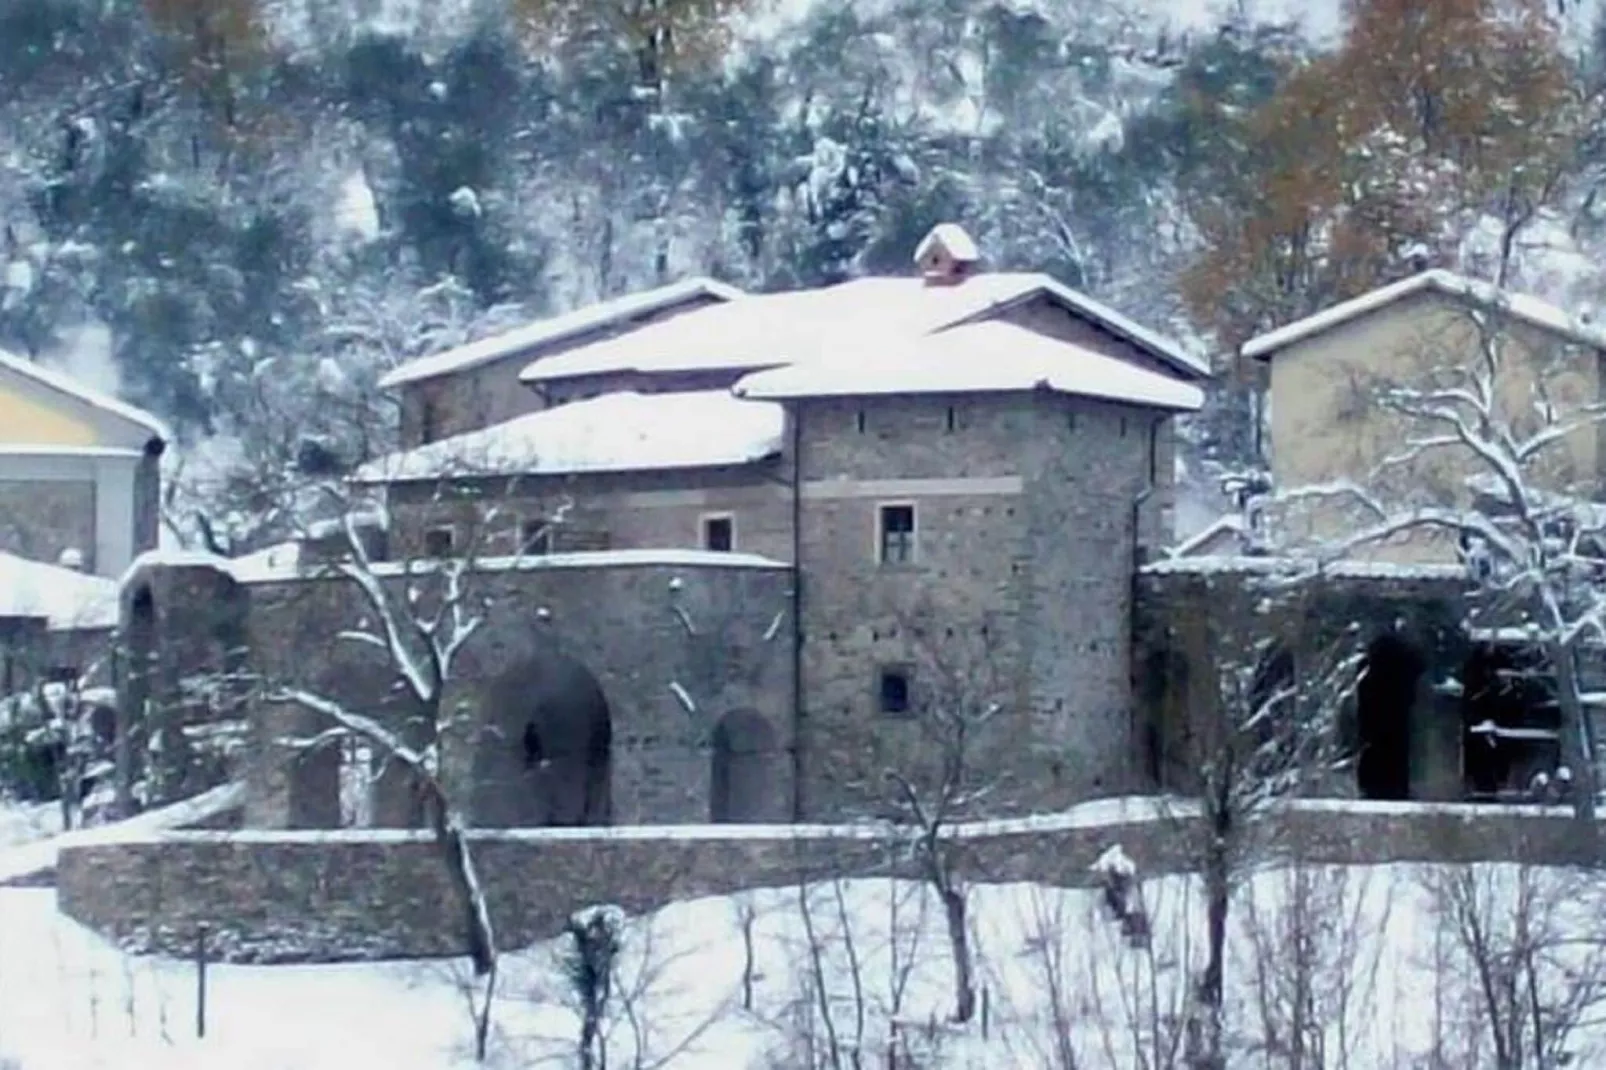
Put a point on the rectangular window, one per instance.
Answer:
(897, 534)
(892, 689)
(719, 533)
(953, 418)
(439, 542)
(535, 536)
(858, 419)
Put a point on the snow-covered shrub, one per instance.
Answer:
(595, 936)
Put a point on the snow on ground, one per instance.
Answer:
(1046, 958)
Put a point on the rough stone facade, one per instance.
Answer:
(283, 897)
(605, 511)
(1017, 593)
(657, 657)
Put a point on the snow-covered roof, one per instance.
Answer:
(1349, 569)
(952, 237)
(64, 598)
(985, 356)
(558, 328)
(1524, 307)
(62, 384)
(1231, 528)
(624, 431)
(771, 330)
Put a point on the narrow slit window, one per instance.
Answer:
(535, 536)
(893, 691)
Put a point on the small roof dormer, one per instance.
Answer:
(947, 255)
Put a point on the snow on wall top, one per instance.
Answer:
(986, 356)
(63, 384)
(771, 330)
(624, 431)
(65, 599)
(557, 328)
(1524, 307)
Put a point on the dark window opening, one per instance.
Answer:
(1070, 421)
(897, 534)
(62, 674)
(859, 420)
(953, 418)
(439, 542)
(535, 537)
(894, 691)
(428, 419)
(719, 533)
(1123, 427)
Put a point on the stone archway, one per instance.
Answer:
(545, 751)
(1385, 703)
(742, 778)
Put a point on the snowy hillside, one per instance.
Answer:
(1376, 974)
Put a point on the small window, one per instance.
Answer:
(1123, 427)
(719, 533)
(859, 420)
(428, 419)
(953, 418)
(535, 536)
(439, 542)
(897, 534)
(893, 691)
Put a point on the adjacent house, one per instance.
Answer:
(1331, 420)
(79, 471)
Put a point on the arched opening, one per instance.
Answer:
(545, 752)
(1384, 703)
(1510, 723)
(744, 778)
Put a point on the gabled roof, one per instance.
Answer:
(617, 432)
(65, 385)
(987, 356)
(558, 328)
(1529, 309)
(771, 330)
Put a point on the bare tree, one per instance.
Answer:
(963, 695)
(419, 615)
(1526, 963)
(1275, 733)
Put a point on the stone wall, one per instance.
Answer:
(601, 511)
(302, 897)
(669, 645)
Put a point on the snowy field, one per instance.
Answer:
(1354, 960)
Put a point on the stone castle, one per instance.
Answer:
(732, 558)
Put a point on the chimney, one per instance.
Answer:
(947, 256)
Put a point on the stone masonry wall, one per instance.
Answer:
(619, 511)
(651, 634)
(283, 897)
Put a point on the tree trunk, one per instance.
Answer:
(1575, 746)
(953, 910)
(1206, 1038)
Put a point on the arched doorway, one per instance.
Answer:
(1384, 704)
(545, 751)
(743, 779)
